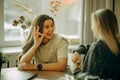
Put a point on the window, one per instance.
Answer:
(67, 18)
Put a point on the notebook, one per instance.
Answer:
(19, 75)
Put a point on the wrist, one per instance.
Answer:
(36, 45)
(39, 66)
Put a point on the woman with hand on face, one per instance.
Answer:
(103, 56)
(48, 48)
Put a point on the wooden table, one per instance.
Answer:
(41, 75)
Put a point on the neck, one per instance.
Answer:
(45, 41)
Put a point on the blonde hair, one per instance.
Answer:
(107, 28)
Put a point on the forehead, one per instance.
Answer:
(49, 21)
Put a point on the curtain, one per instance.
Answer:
(87, 7)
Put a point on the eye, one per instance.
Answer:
(46, 26)
(52, 25)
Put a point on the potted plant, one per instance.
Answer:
(3, 59)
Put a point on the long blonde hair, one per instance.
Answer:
(107, 28)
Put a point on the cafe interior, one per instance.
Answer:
(72, 21)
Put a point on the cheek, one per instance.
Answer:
(95, 33)
(94, 30)
(53, 29)
(44, 31)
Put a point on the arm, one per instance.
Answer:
(93, 62)
(62, 57)
(76, 57)
(83, 49)
(92, 65)
(24, 63)
(60, 65)
(26, 58)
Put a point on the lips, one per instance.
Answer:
(49, 34)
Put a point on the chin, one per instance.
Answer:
(48, 37)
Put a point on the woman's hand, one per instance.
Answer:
(38, 37)
(76, 58)
(27, 66)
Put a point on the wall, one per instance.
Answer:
(11, 54)
(117, 11)
(1, 19)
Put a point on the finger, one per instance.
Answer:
(20, 68)
(21, 65)
(74, 60)
(37, 31)
(34, 30)
(77, 65)
(38, 28)
(40, 34)
(78, 62)
(37, 34)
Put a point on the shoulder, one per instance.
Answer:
(99, 45)
(59, 39)
(100, 48)
(96, 47)
(96, 52)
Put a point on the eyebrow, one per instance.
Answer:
(47, 25)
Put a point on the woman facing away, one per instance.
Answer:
(102, 58)
(48, 48)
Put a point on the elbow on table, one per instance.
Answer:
(62, 68)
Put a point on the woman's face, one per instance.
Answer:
(48, 28)
(94, 29)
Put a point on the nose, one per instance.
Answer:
(51, 29)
